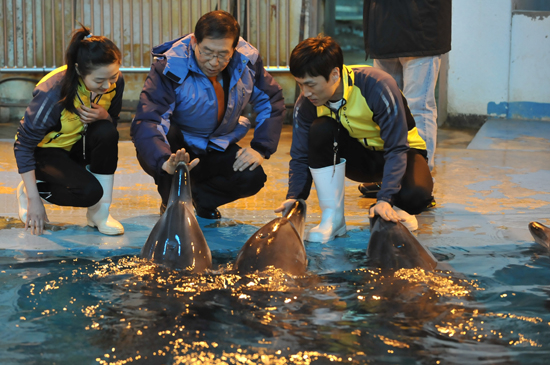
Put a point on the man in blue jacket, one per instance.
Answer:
(190, 108)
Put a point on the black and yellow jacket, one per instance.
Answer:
(375, 113)
(47, 124)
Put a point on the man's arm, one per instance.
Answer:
(267, 100)
(152, 120)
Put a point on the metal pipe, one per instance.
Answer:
(14, 17)
(34, 33)
(141, 34)
(239, 11)
(53, 33)
(277, 33)
(43, 35)
(45, 70)
(5, 11)
(122, 28)
(151, 29)
(92, 16)
(247, 5)
(267, 35)
(24, 21)
(287, 33)
(111, 18)
(190, 15)
(82, 12)
(170, 14)
(101, 16)
(258, 44)
(62, 25)
(131, 38)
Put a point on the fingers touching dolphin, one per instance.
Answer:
(392, 246)
(176, 240)
(540, 233)
(278, 244)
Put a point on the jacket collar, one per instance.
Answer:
(180, 57)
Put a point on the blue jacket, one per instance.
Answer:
(177, 91)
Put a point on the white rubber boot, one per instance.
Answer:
(410, 221)
(98, 214)
(22, 201)
(330, 191)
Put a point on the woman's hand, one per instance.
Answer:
(90, 115)
(36, 216)
(181, 155)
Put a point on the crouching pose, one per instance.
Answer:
(353, 122)
(66, 146)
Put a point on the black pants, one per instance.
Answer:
(213, 181)
(364, 165)
(63, 175)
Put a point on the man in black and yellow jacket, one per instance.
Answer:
(355, 122)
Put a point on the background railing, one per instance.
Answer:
(35, 33)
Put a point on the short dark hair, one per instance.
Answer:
(218, 24)
(316, 56)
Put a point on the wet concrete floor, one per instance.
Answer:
(489, 186)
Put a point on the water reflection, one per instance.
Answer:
(125, 310)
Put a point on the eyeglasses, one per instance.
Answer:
(207, 56)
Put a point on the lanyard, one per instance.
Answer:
(85, 125)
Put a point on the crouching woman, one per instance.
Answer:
(66, 147)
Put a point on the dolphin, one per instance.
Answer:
(278, 244)
(176, 240)
(540, 233)
(392, 246)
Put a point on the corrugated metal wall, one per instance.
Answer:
(35, 32)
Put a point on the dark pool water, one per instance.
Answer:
(493, 309)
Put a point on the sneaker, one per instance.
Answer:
(409, 220)
(369, 190)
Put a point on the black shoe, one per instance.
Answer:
(369, 190)
(207, 213)
(432, 204)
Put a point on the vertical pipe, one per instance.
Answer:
(287, 33)
(258, 45)
(267, 33)
(200, 8)
(101, 16)
(131, 38)
(180, 21)
(72, 15)
(151, 29)
(63, 25)
(141, 33)
(277, 33)
(160, 22)
(112, 24)
(33, 33)
(247, 5)
(14, 16)
(82, 12)
(239, 11)
(5, 12)
(92, 16)
(44, 33)
(24, 20)
(190, 10)
(53, 33)
(121, 27)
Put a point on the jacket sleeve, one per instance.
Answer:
(116, 103)
(299, 176)
(267, 101)
(152, 120)
(386, 102)
(41, 117)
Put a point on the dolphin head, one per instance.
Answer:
(176, 240)
(540, 233)
(277, 244)
(392, 246)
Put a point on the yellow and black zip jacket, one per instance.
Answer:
(47, 124)
(375, 112)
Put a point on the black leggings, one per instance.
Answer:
(63, 178)
(213, 181)
(364, 165)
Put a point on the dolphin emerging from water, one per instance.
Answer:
(540, 233)
(176, 240)
(392, 246)
(278, 244)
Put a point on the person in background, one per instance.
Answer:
(406, 39)
(66, 146)
(192, 103)
(352, 122)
